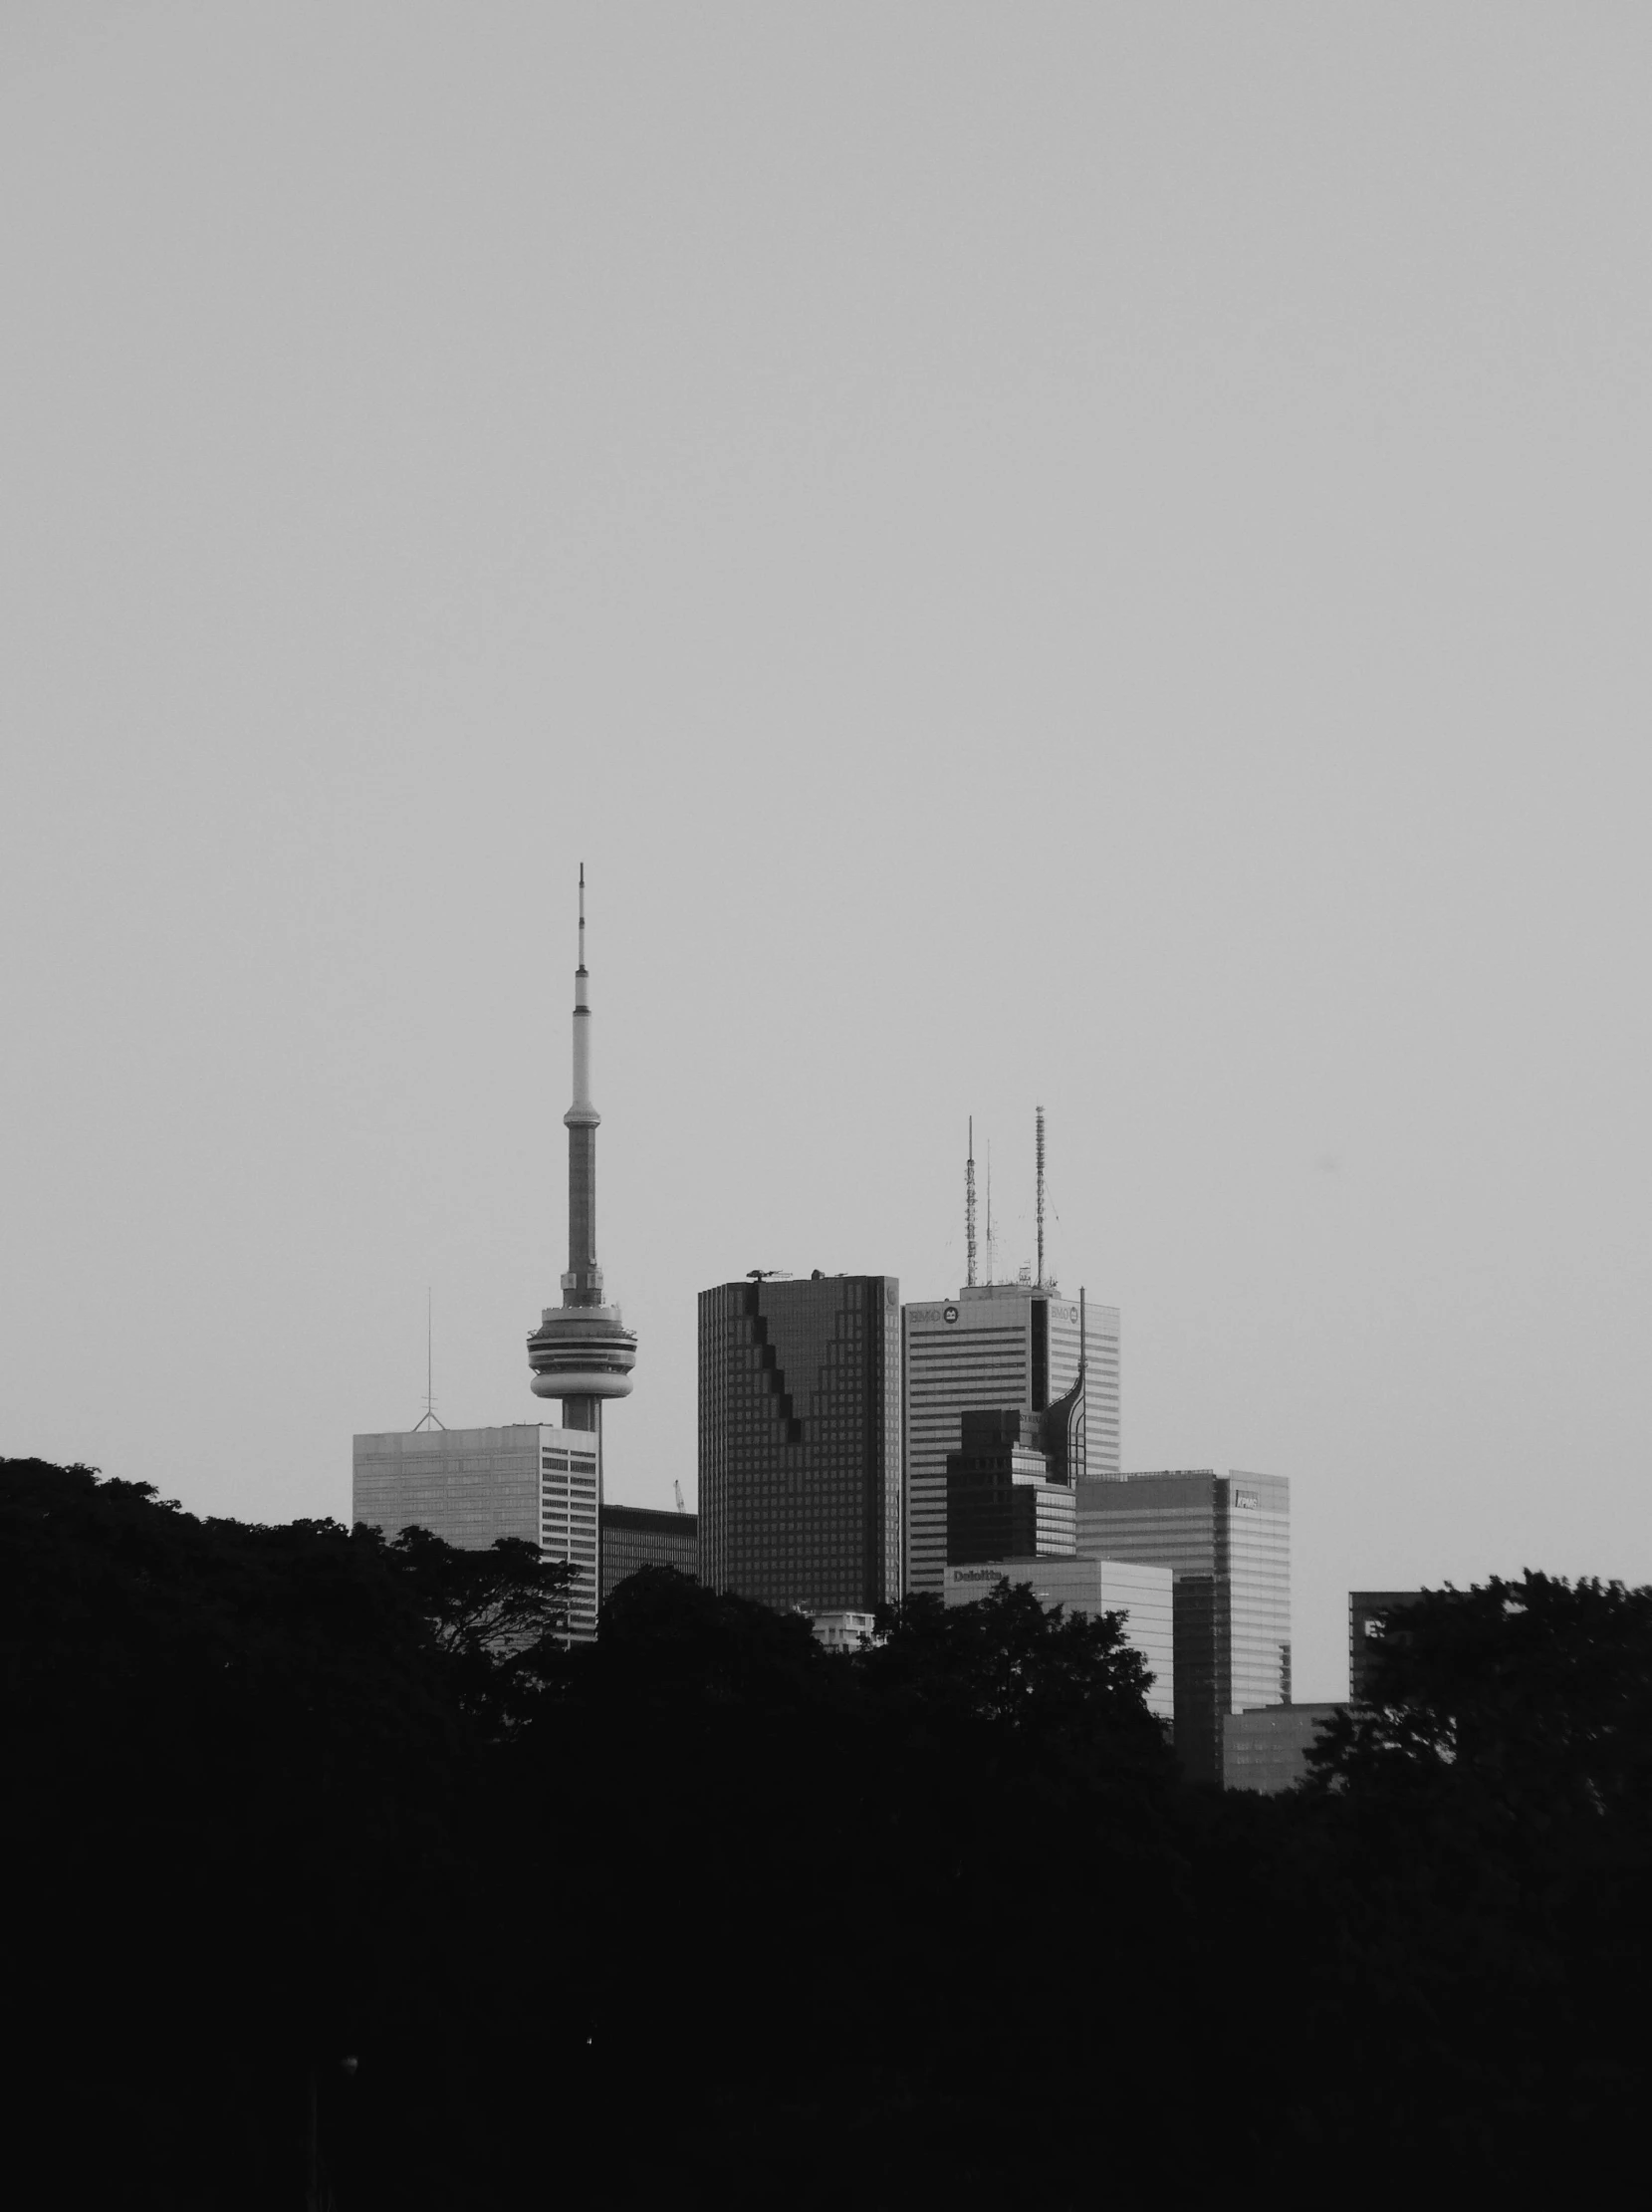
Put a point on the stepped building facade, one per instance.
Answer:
(800, 1441)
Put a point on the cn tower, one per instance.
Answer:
(581, 1351)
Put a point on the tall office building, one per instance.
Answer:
(800, 1441)
(1227, 1541)
(470, 1486)
(997, 1345)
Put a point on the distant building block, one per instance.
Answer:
(642, 1536)
(1266, 1749)
(1371, 1625)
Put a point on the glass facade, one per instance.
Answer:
(800, 1441)
(639, 1536)
(1227, 1541)
(999, 1501)
(998, 1345)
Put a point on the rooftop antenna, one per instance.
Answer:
(969, 1210)
(677, 1487)
(430, 1413)
(989, 1209)
(1038, 1111)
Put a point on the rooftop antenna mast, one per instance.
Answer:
(969, 1210)
(989, 1209)
(1038, 1111)
(430, 1413)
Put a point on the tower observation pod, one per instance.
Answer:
(581, 1351)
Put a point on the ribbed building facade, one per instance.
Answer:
(799, 1423)
(996, 1345)
(470, 1486)
(1227, 1541)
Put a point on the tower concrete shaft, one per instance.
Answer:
(582, 1352)
(582, 1283)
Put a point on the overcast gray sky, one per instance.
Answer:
(1083, 554)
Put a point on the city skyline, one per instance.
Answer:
(1123, 1323)
(794, 464)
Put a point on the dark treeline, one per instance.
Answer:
(706, 1915)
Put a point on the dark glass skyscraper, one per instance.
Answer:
(800, 1441)
(1000, 1501)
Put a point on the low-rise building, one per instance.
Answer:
(844, 1631)
(1266, 1749)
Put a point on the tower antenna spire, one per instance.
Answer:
(969, 1210)
(582, 1352)
(430, 1413)
(1038, 1149)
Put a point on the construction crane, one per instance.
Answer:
(677, 1487)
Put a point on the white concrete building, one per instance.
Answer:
(844, 1631)
(1143, 1594)
(471, 1485)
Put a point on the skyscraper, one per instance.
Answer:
(1227, 1540)
(999, 1345)
(800, 1441)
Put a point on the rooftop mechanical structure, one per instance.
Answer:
(581, 1351)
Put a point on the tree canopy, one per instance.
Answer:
(737, 1918)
